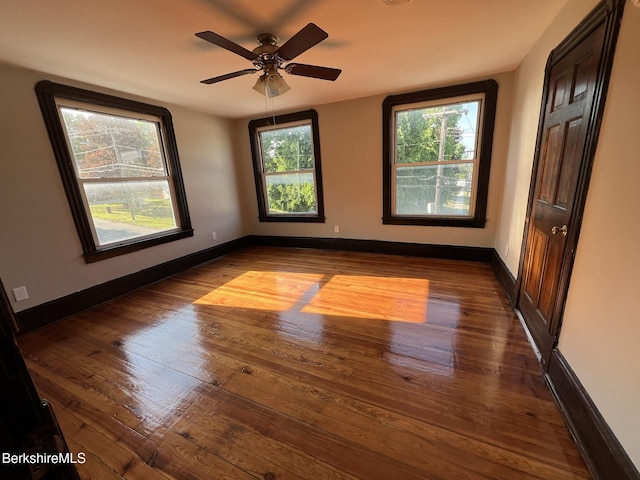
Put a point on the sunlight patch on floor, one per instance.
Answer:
(274, 291)
(378, 298)
(358, 296)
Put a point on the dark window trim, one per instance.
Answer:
(257, 166)
(487, 87)
(47, 92)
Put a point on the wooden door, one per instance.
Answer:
(576, 78)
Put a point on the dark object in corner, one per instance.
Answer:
(27, 425)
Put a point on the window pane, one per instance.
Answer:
(110, 146)
(287, 149)
(445, 132)
(434, 189)
(291, 193)
(126, 210)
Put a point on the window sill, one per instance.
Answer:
(113, 251)
(292, 218)
(436, 222)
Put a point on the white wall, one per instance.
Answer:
(351, 151)
(601, 325)
(40, 248)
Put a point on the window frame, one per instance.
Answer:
(309, 117)
(48, 94)
(486, 125)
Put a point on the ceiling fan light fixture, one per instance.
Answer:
(260, 85)
(271, 84)
(276, 85)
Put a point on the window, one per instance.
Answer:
(286, 161)
(437, 154)
(119, 164)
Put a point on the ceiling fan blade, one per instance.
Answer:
(239, 73)
(220, 41)
(302, 41)
(314, 71)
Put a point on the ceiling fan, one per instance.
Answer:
(268, 58)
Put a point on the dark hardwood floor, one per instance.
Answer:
(279, 363)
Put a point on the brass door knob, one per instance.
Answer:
(562, 230)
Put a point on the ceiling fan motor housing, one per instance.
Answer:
(267, 59)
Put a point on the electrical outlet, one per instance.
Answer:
(506, 250)
(20, 294)
(214, 235)
(336, 228)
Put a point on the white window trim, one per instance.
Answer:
(284, 126)
(91, 108)
(476, 97)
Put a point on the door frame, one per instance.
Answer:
(610, 13)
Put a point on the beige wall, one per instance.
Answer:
(40, 246)
(351, 150)
(527, 93)
(601, 327)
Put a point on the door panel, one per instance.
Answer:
(549, 165)
(566, 175)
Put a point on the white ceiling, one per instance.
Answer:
(148, 47)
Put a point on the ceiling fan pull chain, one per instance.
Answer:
(273, 113)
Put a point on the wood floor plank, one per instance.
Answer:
(230, 439)
(99, 449)
(182, 459)
(275, 363)
(93, 468)
(512, 432)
